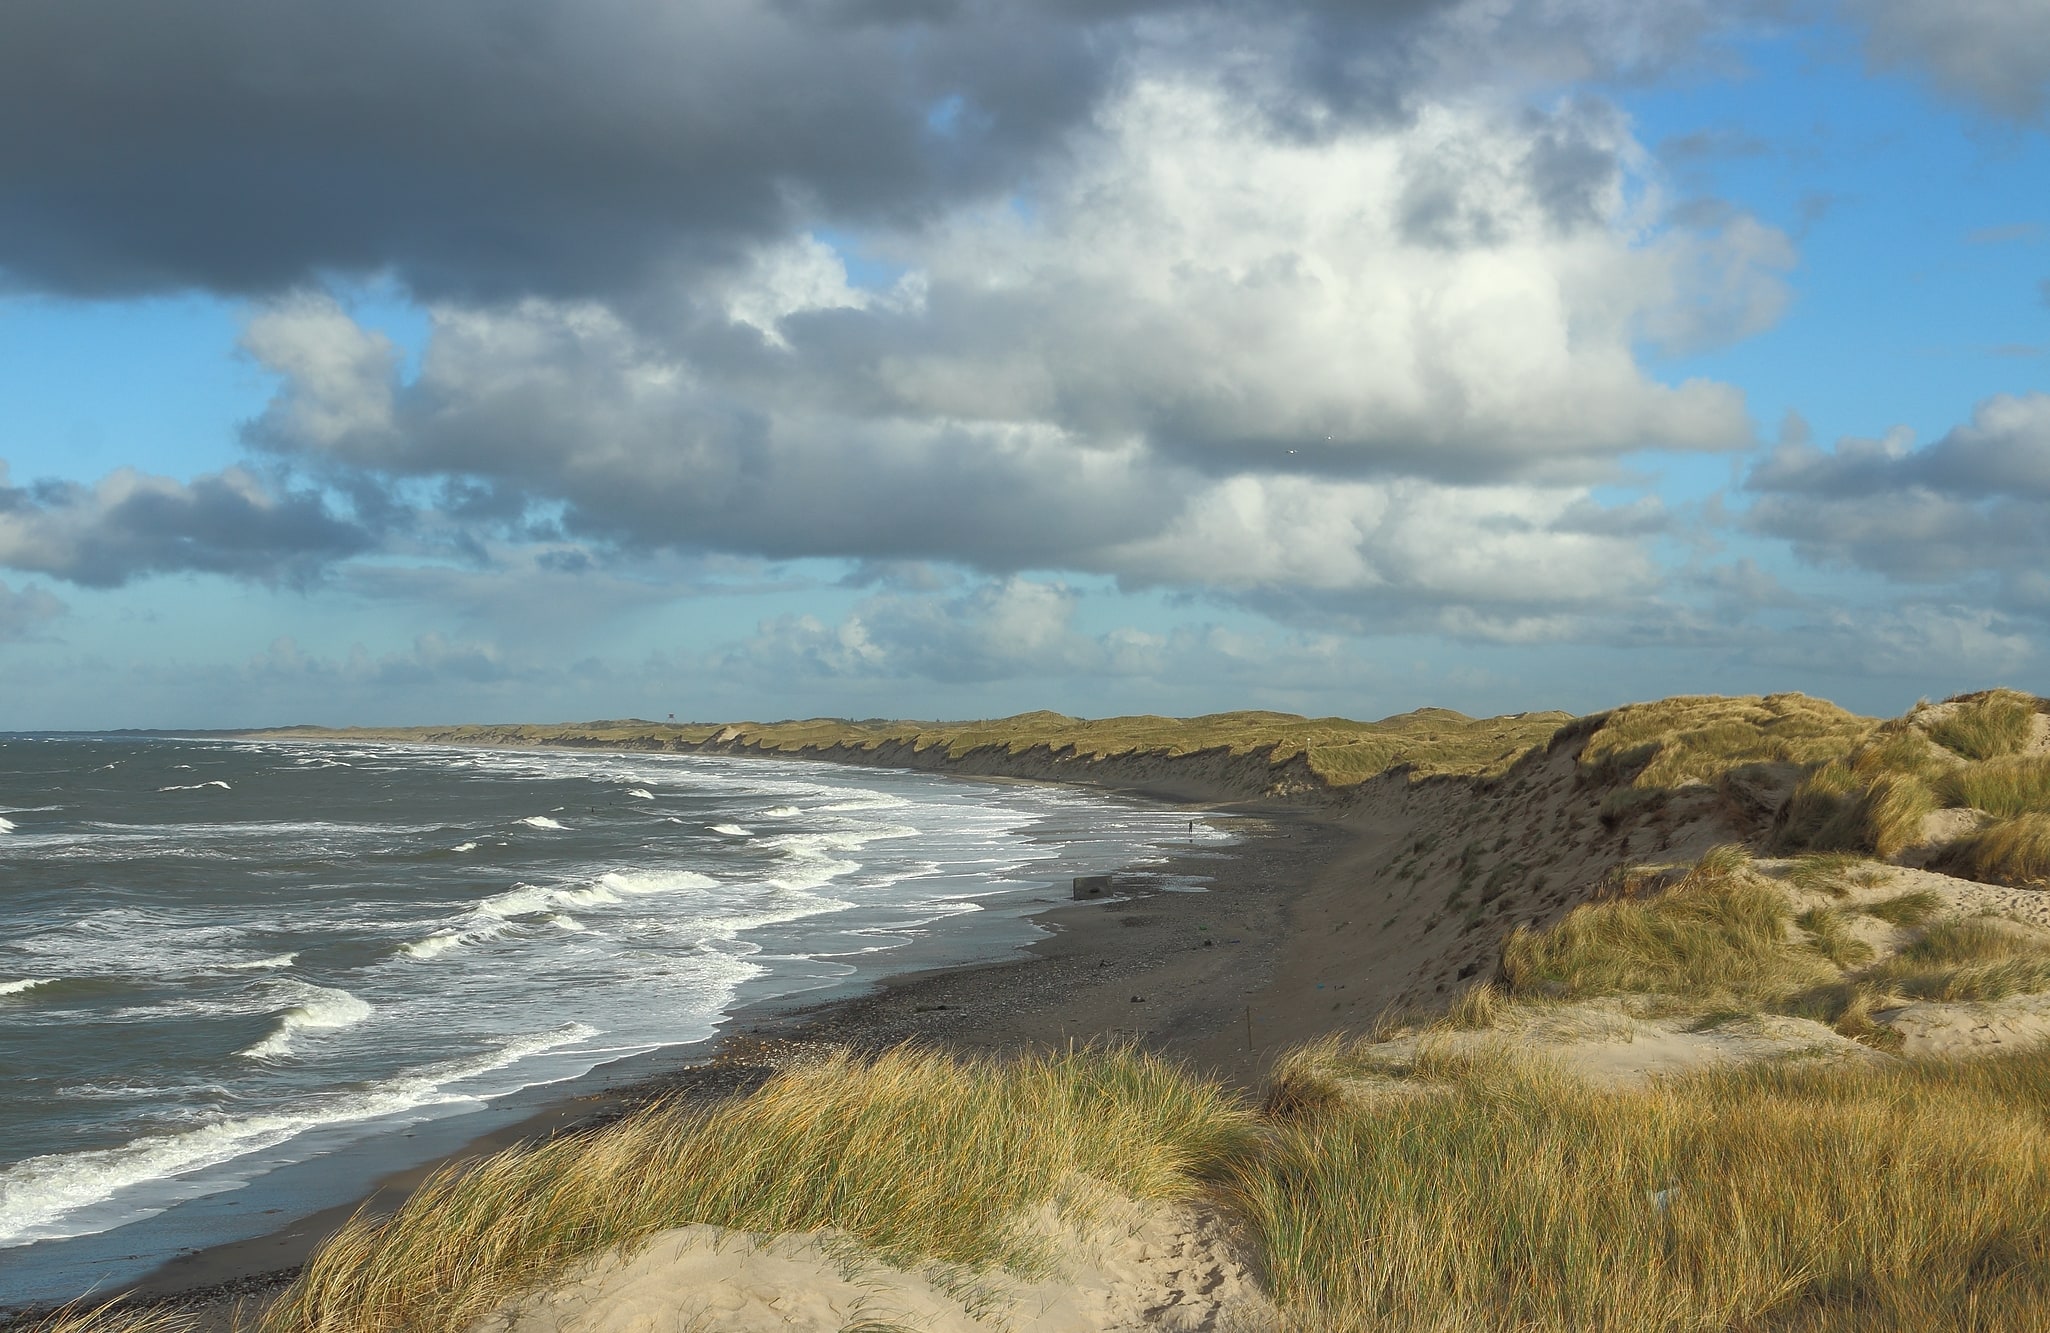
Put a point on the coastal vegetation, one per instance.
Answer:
(1450, 1169)
(915, 1156)
(1916, 1203)
(1337, 751)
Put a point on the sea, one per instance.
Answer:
(240, 979)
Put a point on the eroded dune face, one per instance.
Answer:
(1170, 1267)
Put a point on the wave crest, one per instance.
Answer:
(319, 1008)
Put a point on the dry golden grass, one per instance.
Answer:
(1986, 726)
(1718, 936)
(1515, 1198)
(916, 1155)
(1722, 939)
(1699, 738)
(1833, 873)
(2004, 788)
(2012, 851)
(1338, 750)
(1972, 959)
(1839, 808)
(116, 1316)
(1830, 934)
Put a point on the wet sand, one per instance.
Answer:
(1180, 972)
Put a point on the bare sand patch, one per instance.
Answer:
(1171, 1267)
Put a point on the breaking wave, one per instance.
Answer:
(319, 1008)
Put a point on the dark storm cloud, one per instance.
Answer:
(1975, 501)
(130, 524)
(487, 148)
(1992, 52)
(482, 147)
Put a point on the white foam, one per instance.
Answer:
(433, 945)
(520, 900)
(732, 830)
(540, 821)
(279, 960)
(781, 812)
(568, 922)
(655, 881)
(642, 793)
(319, 1007)
(38, 1194)
(198, 786)
(6, 824)
(26, 983)
(464, 847)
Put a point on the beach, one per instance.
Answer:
(1152, 963)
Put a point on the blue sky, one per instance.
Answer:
(524, 361)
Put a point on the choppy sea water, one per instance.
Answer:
(240, 978)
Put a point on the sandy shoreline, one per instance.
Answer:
(1180, 972)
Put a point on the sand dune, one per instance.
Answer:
(1170, 1268)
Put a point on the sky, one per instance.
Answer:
(396, 362)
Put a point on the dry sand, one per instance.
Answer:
(1168, 1267)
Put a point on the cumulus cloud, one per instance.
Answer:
(1992, 52)
(1975, 501)
(23, 614)
(1372, 371)
(131, 524)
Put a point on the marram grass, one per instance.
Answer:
(2011, 851)
(915, 1155)
(1986, 726)
(1819, 1198)
(1494, 1193)
(2003, 788)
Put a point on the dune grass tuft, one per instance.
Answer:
(1720, 934)
(915, 1155)
(1971, 959)
(1832, 873)
(2012, 851)
(1699, 738)
(1914, 908)
(2003, 788)
(1830, 934)
(1848, 807)
(1513, 1197)
(1986, 726)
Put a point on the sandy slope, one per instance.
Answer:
(1166, 1267)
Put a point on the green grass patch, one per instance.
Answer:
(1986, 726)
(1841, 807)
(1914, 908)
(2004, 788)
(1719, 934)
